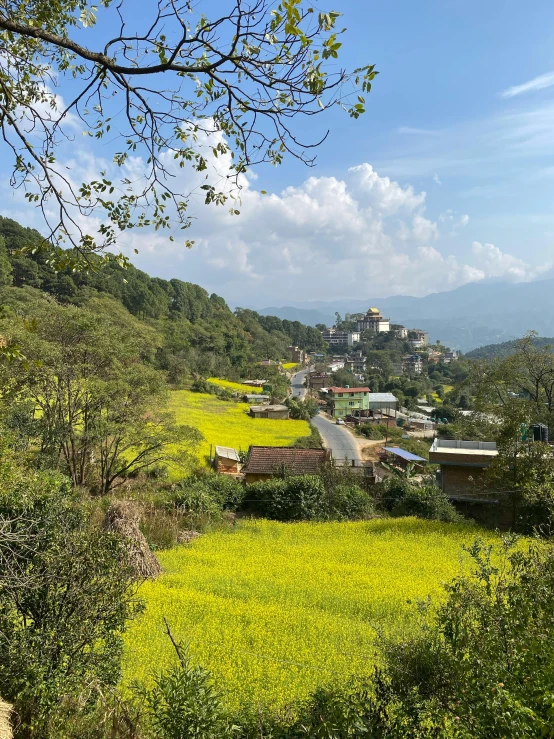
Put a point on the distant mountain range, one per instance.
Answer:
(473, 315)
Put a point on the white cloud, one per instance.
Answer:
(537, 83)
(408, 130)
(437, 179)
(453, 221)
(326, 237)
(497, 264)
(331, 237)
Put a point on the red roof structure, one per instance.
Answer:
(267, 460)
(349, 390)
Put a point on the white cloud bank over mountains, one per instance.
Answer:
(326, 238)
(329, 238)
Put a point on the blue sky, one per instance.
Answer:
(448, 178)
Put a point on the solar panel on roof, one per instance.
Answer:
(408, 456)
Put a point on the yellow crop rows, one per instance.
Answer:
(238, 386)
(227, 423)
(275, 610)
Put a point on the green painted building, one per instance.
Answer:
(343, 401)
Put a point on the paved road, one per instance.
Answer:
(338, 439)
(297, 384)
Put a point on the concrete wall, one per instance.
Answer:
(460, 480)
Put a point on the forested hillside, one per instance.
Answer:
(191, 330)
(490, 351)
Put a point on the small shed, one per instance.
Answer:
(269, 411)
(227, 460)
(402, 457)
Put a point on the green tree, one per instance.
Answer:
(66, 593)
(96, 408)
(189, 83)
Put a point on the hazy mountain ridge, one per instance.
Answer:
(468, 317)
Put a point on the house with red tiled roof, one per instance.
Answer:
(265, 462)
(343, 401)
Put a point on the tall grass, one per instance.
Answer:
(276, 610)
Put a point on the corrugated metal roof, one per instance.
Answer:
(382, 398)
(227, 452)
(408, 456)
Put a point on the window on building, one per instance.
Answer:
(351, 403)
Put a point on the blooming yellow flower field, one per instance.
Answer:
(290, 365)
(234, 386)
(227, 423)
(275, 609)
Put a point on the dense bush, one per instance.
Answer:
(426, 501)
(289, 499)
(66, 592)
(308, 498)
(372, 431)
(400, 497)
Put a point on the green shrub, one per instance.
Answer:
(308, 498)
(372, 431)
(425, 502)
(290, 499)
(184, 703)
(348, 502)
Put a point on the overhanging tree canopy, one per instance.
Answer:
(168, 85)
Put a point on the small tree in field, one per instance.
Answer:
(96, 411)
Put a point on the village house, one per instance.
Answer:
(450, 356)
(269, 411)
(418, 338)
(340, 338)
(227, 460)
(296, 355)
(318, 380)
(265, 462)
(462, 466)
(343, 401)
(399, 331)
(355, 362)
(412, 364)
(373, 321)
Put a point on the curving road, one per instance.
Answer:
(338, 439)
(297, 384)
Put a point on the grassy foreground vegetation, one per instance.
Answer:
(275, 610)
(228, 424)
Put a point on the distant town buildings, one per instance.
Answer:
(412, 364)
(418, 338)
(318, 380)
(355, 362)
(399, 331)
(340, 338)
(296, 354)
(374, 321)
(450, 356)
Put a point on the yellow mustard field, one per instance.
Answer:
(234, 386)
(289, 365)
(275, 610)
(227, 423)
